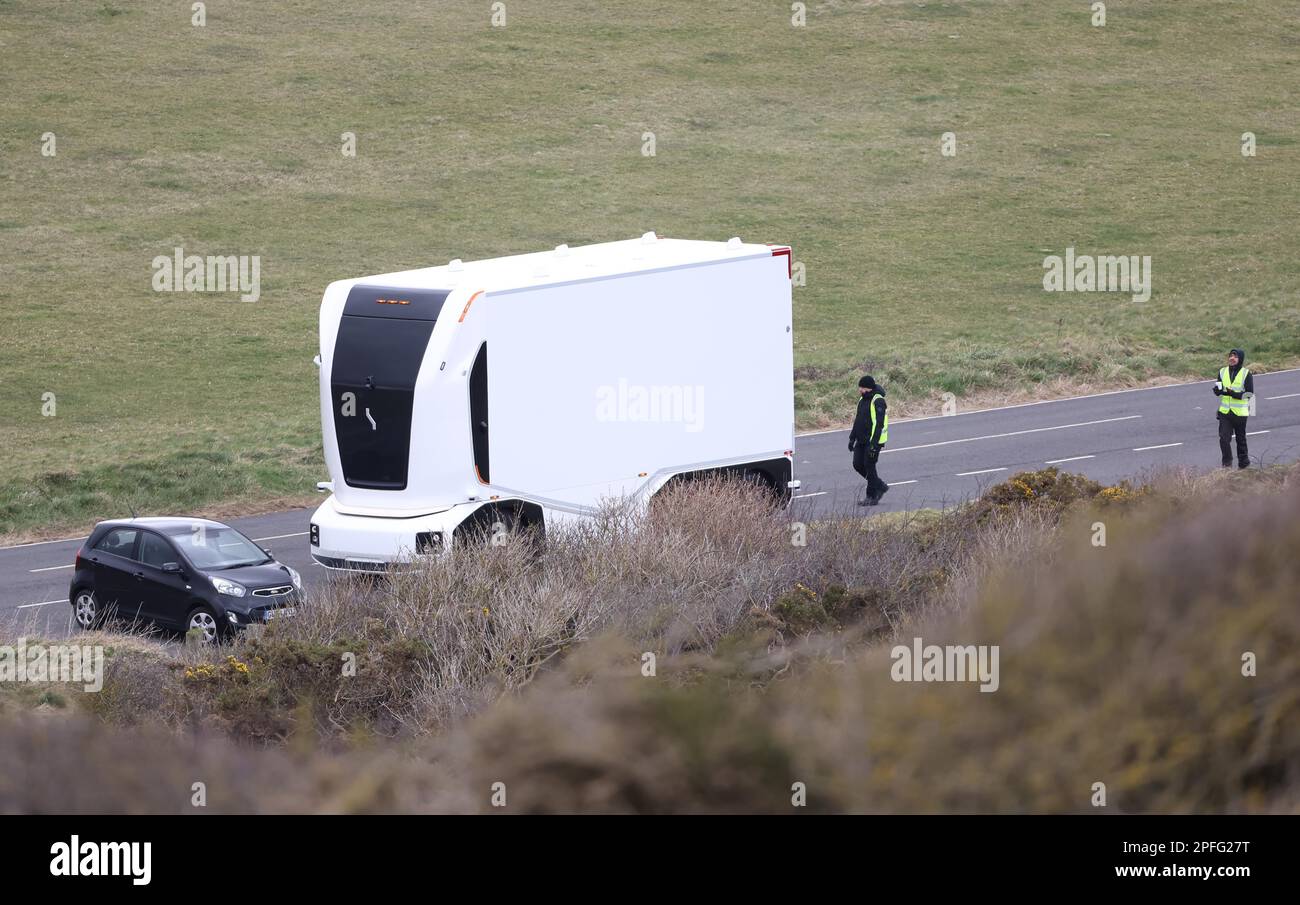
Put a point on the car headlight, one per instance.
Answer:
(229, 588)
(233, 617)
(297, 579)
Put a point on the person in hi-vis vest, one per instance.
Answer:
(869, 435)
(1234, 388)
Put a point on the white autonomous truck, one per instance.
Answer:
(527, 391)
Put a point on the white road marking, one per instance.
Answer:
(68, 540)
(898, 483)
(279, 536)
(1032, 430)
(1071, 459)
(26, 606)
(1163, 386)
(962, 474)
(1253, 433)
(1161, 446)
(1283, 396)
(41, 543)
(53, 568)
(805, 496)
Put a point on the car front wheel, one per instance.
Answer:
(204, 620)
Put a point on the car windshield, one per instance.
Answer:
(212, 547)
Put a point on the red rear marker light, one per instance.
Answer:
(789, 267)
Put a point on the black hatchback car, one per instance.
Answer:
(181, 573)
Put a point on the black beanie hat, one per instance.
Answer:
(868, 382)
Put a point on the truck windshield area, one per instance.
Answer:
(380, 346)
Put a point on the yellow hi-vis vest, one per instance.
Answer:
(1230, 403)
(884, 430)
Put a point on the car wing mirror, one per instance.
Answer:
(174, 567)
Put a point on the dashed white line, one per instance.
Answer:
(1003, 408)
(1283, 396)
(1071, 459)
(1253, 433)
(27, 606)
(899, 483)
(41, 543)
(53, 568)
(68, 540)
(963, 474)
(804, 496)
(1032, 430)
(1161, 446)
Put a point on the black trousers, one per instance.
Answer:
(1230, 424)
(866, 466)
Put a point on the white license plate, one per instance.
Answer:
(280, 613)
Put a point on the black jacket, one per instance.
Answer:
(1248, 387)
(862, 432)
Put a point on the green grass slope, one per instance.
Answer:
(475, 141)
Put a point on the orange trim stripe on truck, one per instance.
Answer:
(461, 320)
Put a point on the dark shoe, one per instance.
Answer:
(1243, 464)
(1227, 464)
(867, 501)
(883, 490)
(873, 501)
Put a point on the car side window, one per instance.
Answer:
(154, 551)
(119, 542)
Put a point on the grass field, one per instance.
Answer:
(475, 141)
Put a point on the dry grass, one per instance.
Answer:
(1120, 664)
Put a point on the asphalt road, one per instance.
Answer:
(929, 462)
(941, 461)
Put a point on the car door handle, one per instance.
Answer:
(139, 576)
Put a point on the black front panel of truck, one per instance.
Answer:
(381, 342)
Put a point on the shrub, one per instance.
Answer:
(1120, 664)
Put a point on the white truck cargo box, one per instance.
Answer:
(526, 390)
